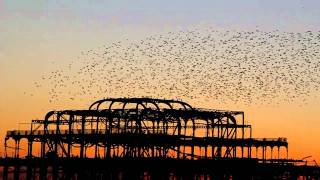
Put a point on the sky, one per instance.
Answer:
(38, 36)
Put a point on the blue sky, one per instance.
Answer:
(283, 14)
(33, 33)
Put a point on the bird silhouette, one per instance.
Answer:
(250, 67)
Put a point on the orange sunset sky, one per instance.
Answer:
(37, 38)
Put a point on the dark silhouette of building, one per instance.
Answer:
(144, 138)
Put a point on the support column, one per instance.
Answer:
(5, 172)
(18, 149)
(29, 171)
(82, 134)
(30, 142)
(16, 172)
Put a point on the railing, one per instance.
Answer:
(114, 131)
(75, 131)
(122, 129)
(279, 139)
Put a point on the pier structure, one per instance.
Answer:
(145, 138)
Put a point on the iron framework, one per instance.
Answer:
(118, 131)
